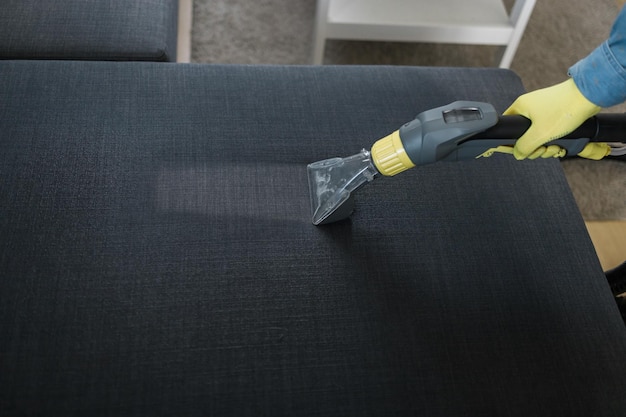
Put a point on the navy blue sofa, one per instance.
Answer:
(157, 255)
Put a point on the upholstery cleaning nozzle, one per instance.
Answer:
(460, 131)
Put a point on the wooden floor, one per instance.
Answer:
(609, 238)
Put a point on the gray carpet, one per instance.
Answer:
(560, 32)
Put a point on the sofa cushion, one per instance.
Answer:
(89, 29)
(157, 255)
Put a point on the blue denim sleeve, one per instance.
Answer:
(601, 76)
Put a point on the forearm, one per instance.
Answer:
(601, 76)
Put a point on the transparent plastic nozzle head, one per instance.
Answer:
(332, 182)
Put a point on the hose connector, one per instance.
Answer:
(389, 155)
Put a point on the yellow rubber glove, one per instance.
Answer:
(554, 111)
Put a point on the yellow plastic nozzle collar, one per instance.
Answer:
(389, 155)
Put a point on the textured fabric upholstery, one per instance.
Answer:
(143, 30)
(158, 258)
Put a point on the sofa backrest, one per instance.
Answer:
(118, 30)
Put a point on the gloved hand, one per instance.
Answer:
(554, 112)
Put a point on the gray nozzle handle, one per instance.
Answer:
(436, 133)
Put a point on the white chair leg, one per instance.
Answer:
(318, 50)
(508, 52)
(319, 31)
(520, 15)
